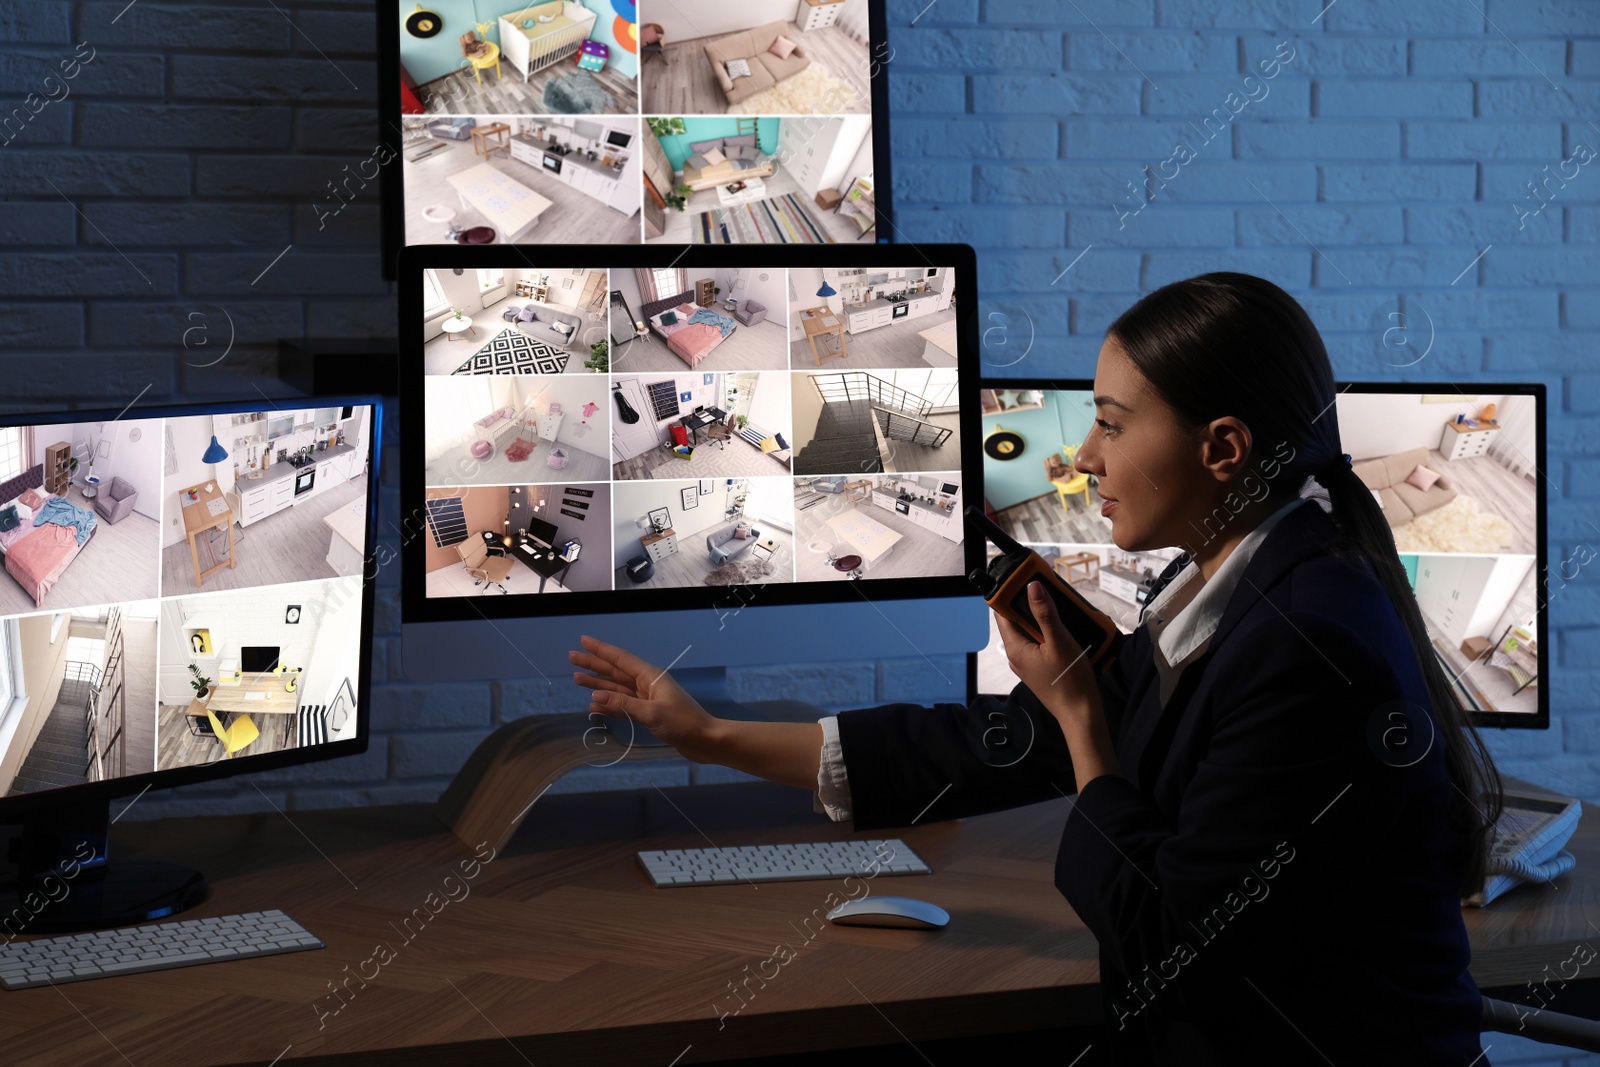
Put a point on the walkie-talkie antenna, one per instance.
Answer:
(1002, 540)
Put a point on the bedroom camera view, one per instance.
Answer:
(1451, 472)
(80, 508)
(180, 590)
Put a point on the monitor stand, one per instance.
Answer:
(65, 882)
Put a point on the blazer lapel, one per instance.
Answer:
(1303, 532)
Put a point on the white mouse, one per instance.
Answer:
(889, 911)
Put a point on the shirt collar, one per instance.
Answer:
(1184, 615)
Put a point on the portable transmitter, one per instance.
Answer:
(1005, 588)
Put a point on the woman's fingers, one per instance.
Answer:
(620, 658)
(590, 681)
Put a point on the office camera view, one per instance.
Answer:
(1459, 496)
(178, 591)
(708, 427)
(709, 122)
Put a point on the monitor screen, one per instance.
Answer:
(1472, 544)
(184, 593)
(712, 121)
(258, 658)
(541, 533)
(729, 420)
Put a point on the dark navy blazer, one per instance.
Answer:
(1270, 877)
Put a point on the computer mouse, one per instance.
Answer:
(890, 911)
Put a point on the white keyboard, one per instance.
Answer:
(255, 696)
(153, 947)
(780, 863)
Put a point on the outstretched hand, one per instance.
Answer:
(1057, 670)
(627, 687)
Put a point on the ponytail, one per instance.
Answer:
(1364, 530)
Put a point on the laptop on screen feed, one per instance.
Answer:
(710, 122)
(688, 420)
(1472, 544)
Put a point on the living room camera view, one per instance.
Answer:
(1452, 473)
(521, 179)
(709, 319)
(80, 507)
(518, 539)
(502, 429)
(264, 497)
(521, 320)
(719, 531)
(757, 57)
(758, 180)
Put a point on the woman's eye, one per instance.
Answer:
(1105, 426)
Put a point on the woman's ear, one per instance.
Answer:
(1225, 445)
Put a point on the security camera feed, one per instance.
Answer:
(703, 122)
(178, 590)
(692, 437)
(1453, 474)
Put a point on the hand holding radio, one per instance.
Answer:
(1055, 669)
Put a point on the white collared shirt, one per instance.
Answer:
(1181, 620)
(1187, 611)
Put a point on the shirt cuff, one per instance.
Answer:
(833, 787)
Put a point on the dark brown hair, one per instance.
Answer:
(1233, 344)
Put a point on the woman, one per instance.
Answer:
(1275, 816)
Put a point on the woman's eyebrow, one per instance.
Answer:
(1112, 402)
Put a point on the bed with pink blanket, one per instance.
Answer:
(37, 556)
(692, 341)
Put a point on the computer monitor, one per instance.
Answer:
(714, 121)
(185, 598)
(815, 515)
(1472, 544)
(541, 533)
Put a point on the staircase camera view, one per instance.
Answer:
(1453, 474)
(733, 459)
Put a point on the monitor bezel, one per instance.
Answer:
(27, 803)
(1539, 720)
(416, 607)
(391, 175)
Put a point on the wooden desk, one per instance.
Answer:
(568, 952)
(198, 518)
(1087, 560)
(811, 322)
(275, 700)
(481, 134)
